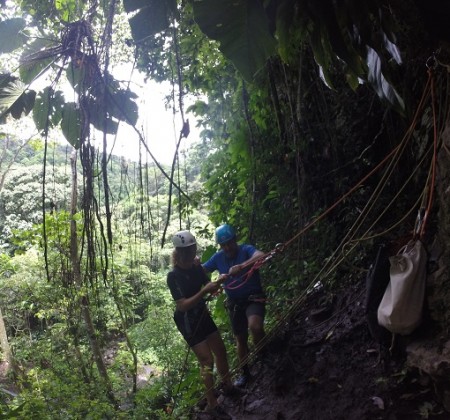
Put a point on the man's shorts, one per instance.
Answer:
(239, 313)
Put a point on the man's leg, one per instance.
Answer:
(239, 324)
(256, 327)
(242, 351)
(242, 346)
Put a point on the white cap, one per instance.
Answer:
(183, 239)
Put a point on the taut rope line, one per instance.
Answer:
(327, 269)
(396, 152)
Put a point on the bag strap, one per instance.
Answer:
(428, 194)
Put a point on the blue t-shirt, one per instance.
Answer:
(239, 287)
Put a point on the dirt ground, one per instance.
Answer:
(326, 365)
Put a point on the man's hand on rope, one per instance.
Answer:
(235, 269)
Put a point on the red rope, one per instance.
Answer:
(255, 265)
(434, 158)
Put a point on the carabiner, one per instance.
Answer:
(432, 62)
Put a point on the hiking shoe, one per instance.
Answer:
(232, 392)
(241, 381)
(217, 412)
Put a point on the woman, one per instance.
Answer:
(188, 285)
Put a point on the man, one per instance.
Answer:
(245, 296)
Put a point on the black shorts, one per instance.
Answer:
(195, 328)
(239, 313)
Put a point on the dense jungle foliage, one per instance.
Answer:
(309, 138)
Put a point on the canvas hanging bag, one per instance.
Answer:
(401, 307)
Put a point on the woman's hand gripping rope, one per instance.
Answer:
(219, 283)
(214, 288)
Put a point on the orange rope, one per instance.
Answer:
(429, 86)
(434, 158)
(255, 265)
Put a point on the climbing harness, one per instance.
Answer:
(234, 305)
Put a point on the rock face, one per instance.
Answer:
(329, 367)
(434, 360)
(439, 281)
(432, 355)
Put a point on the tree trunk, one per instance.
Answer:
(83, 299)
(6, 349)
(5, 167)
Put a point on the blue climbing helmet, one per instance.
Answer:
(225, 233)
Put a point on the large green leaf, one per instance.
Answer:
(291, 28)
(100, 119)
(382, 87)
(76, 76)
(36, 57)
(106, 104)
(47, 111)
(323, 11)
(11, 36)
(322, 52)
(15, 98)
(241, 27)
(67, 9)
(23, 105)
(122, 106)
(152, 16)
(71, 124)
(133, 5)
(10, 90)
(199, 108)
